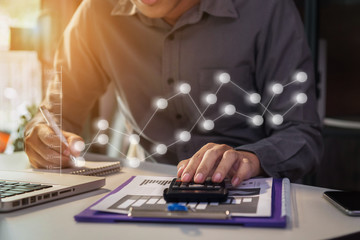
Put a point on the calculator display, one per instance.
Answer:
(195, 192)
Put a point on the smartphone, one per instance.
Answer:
(347, 202)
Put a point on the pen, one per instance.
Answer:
(51, 122)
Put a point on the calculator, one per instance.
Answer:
(208, 191)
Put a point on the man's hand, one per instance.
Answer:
(43, 148)
(219, 161)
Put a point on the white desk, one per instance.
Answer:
(312, 216)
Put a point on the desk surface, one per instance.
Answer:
(312, 216)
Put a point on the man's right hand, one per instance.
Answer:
(43, 147)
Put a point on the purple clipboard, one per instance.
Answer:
(276, 219)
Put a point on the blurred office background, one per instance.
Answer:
(30, 30)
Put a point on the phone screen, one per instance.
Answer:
(349, 202)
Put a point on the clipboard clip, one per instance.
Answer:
(172, 207)
(185, 214)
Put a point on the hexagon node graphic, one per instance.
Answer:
(224, 78)
(103, 124)
(301, 98)
(133, 162)
(211, 99)
(161, 103)
(79, 146)
(161, 149)
(208, 125)
(277, 88)
(255, 98)
(184, 136)
(300, 76)
(257, 120)
(277, 119)
(185, 88)
(134, 139)
(79, 162)
(103, 139)
(229, 109)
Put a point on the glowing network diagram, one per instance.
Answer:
(206, 124)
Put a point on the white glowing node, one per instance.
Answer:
(255, 98)
(301, 76)
(103, 139)
(185, 88)
(103, 124)
(10, 93)
(301, 98)
(162, 103)
(134, 139)
(184, 136)
(79, 162)
(161, 149)
(208, 125)
(277, 119)
(79, 146)
(134, 162)
(277, 88)
(257, 120)
(229, 110)
(211, 98)
(224, 77)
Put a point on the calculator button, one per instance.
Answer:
(196, 186)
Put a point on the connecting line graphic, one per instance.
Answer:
(267, 106)
(116, 149)
(207, 124)
(196, 106)
(112, 129)
(150, 120)
(92, 142)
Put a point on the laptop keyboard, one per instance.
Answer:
(9, 189)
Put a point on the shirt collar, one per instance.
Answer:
(219, 8)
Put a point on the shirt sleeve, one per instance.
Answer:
(79, 79)
(294, 147)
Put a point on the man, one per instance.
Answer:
(225, 50)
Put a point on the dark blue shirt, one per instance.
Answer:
(258, 43)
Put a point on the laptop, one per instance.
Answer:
(24, 189)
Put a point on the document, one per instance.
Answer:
(251, 199)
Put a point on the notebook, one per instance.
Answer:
(24, 189)
(91, 168)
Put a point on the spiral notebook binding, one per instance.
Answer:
(99, 171)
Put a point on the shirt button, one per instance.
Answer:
(170, 81)
(171, 37)
(178, 116)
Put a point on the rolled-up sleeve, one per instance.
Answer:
(79, 79)
(294, 147)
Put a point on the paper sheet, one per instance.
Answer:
(251, 198)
